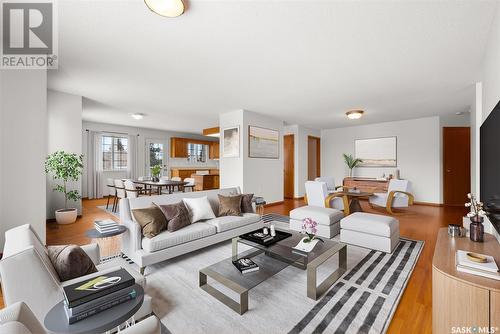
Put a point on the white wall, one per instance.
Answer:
(23, 132)
(490, 70)
(263, 177)
(418, 153)
(301, 134)
(143, 135)
(64, 122)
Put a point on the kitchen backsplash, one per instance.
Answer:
(183, 162)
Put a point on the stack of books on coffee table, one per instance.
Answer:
(106, 226)
(477, 264)
(97, 293)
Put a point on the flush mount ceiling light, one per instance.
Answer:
(354, 114)
(168, 8)
(137, 115)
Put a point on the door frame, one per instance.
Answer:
(318, 154)
(292, 166)
(166, 156)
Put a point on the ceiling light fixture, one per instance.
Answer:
(138, 115)
(355, 114)
(168, 8)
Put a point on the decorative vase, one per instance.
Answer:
(476, 229)
(155, 179)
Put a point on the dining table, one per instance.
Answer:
(168, 184)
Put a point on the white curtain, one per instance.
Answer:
(94, 164)
(132, 157)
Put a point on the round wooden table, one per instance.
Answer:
(354, 205)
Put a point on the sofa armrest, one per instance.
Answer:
(150, 325)
(93, 252)
(132, 238)
(19, 312)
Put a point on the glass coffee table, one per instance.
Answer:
(271, 260)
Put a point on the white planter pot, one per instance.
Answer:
(66, 216)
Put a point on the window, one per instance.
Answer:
(197, 152)
(155, 154)
(114, 153)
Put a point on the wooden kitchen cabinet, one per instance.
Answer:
(178, 147)
(214, 150)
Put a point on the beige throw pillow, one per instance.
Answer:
(229, 205)
(151, 219)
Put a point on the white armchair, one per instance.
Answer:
(398, 195)
(28, 274)
(330, 183)
(319, 208)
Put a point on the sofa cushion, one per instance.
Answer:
(323, 216)
(70, 261)
(177, 216)
(370, 223)
(199, 208)
(169, 239)
(226, 223)
(229, 205)
(152, 220)
(246, 203)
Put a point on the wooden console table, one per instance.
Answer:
(366, 184)
(460, 299)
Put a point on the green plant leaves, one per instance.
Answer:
(65, 167)
(350, 161)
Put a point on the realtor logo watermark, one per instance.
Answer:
(29, 34)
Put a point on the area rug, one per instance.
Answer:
(363, 300)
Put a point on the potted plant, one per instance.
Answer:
(65, 167)
(351, 162)
(155, 173)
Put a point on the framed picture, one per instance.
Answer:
(231, 142)
(263, 143)
(376, 152)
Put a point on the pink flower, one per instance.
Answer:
(309, 226)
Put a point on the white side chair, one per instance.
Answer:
(110, 184)
(133, 191)
(190, 183)
(330, 183)
(318, 208)
(120, 193)
(398, 195)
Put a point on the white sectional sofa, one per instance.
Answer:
(166, 245)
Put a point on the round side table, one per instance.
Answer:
(57, 322)
(106, 241)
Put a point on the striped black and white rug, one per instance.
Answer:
(365, 298)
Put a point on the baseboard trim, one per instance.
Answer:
(428, 204)
(299, 198)
(273, 204)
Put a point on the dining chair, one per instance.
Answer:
(110, 184)
(190, 183)
(398, 195)
(132, 191)
(120, 193)
(176, 179)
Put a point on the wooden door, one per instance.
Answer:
(313, 157)
(456, 165)
(288, 161)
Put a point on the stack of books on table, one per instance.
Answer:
(477, 264)
(98, 293)
(245, 265)
(106, 226)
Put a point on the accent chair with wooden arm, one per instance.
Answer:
(398, 195)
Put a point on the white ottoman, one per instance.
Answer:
(327, 219)
(370, 231)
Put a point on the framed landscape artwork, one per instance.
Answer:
(231, 142)
(263, 143)
(376, 152)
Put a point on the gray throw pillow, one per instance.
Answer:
(229, 205)
(151, 219)
(246, 203)
(70, 261)
(177, 216)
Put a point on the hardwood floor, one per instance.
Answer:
(419, 222)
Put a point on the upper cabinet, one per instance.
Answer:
(179, 147)
(214, 150)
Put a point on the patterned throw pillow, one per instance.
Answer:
(70, 261)
(246, 203)
(151, 219)
(177, 216)
(229, 205)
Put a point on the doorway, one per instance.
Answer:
(313, 157)
(155, 155)
(456, 165)
(288, 168)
